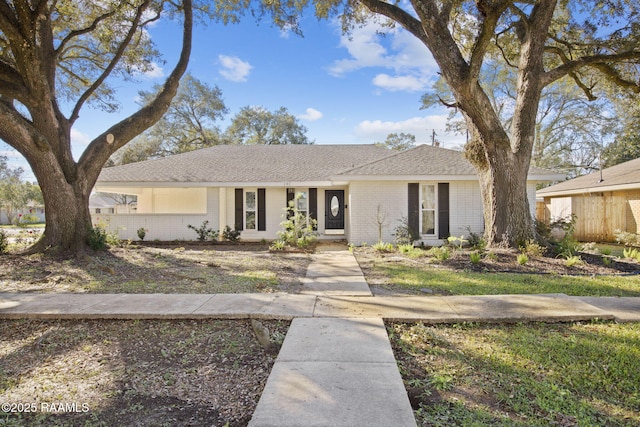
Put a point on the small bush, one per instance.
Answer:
(440, 253)
(476, 241)
(231, 235)
(631, 253)
(4, 242)
(475, 257)
(298, 230)
(522, 259)
(277, 245)
(97, 238)
(403, 234)
(606, 261)
(383, 247)
(531, 248)
(491, 256)
(27, 219)
(142, 232)
(204, 233)
(573, 260)
(626, 238)
(457, 241)
(605, 251)
(405, 249)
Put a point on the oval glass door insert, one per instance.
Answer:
(335, 206)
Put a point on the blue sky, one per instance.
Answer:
(345, 89)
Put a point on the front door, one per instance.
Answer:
(334, 209)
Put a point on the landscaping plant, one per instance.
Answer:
(205, 233)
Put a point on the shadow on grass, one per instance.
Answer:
(153, 270)
(145, 373)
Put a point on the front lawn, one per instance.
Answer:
(422, 272)
(215, 268)
(583, 374)
(133, 372)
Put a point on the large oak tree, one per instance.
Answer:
(60, 52)
(545, 40)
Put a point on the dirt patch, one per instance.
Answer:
(136, 373)
(172, 268)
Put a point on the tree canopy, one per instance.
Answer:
(57, 53)
(257, 125)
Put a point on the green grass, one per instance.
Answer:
(522, 375)
(483, 283)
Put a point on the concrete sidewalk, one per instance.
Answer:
(429, 309)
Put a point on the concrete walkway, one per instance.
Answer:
(336, 366)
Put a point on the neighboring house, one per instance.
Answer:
(109, 204)
(602, 202)
(32, 208)
(355, 192)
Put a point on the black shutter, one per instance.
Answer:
(414, 210)
(313, 205)
(262, 210)
(443, 210)
(239, 209)
(291, 196)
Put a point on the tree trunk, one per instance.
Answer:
(503, 187)
(68, 219)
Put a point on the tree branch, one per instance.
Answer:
(17, 131)
(114, 61)
(101, 148)
(77, 33)
(491, 15)
(594, 61)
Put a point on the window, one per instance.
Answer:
(250, 206)
(428, 209)
(302, 202)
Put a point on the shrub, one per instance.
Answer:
(606, 261)
(297, 229)
(631, 253)
(441, 253)
(405, 249)
(383, 247)
(141, 233)
(476, 241)
(522, 259)
(27, 219)
(573, 260)
(475, 257)
(204, 233)
(458, 241)
(403, 235)
(277, 245)
(4, 242)
(97, 238)
(531, 248)
(626, 238)
(605, 251)
(232, 235)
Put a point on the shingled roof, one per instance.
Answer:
(249, 163)
(296, 163)
(623, 176)
(430, 161)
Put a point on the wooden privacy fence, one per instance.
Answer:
(598, 215)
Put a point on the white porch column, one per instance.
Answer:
(222, 208)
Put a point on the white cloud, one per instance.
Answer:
(155, 72)
(79, 139)
(234, 69)
(400, 83)
(421, 127)
(413, 65)
(311, 115)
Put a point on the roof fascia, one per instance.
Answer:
(589, 190)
